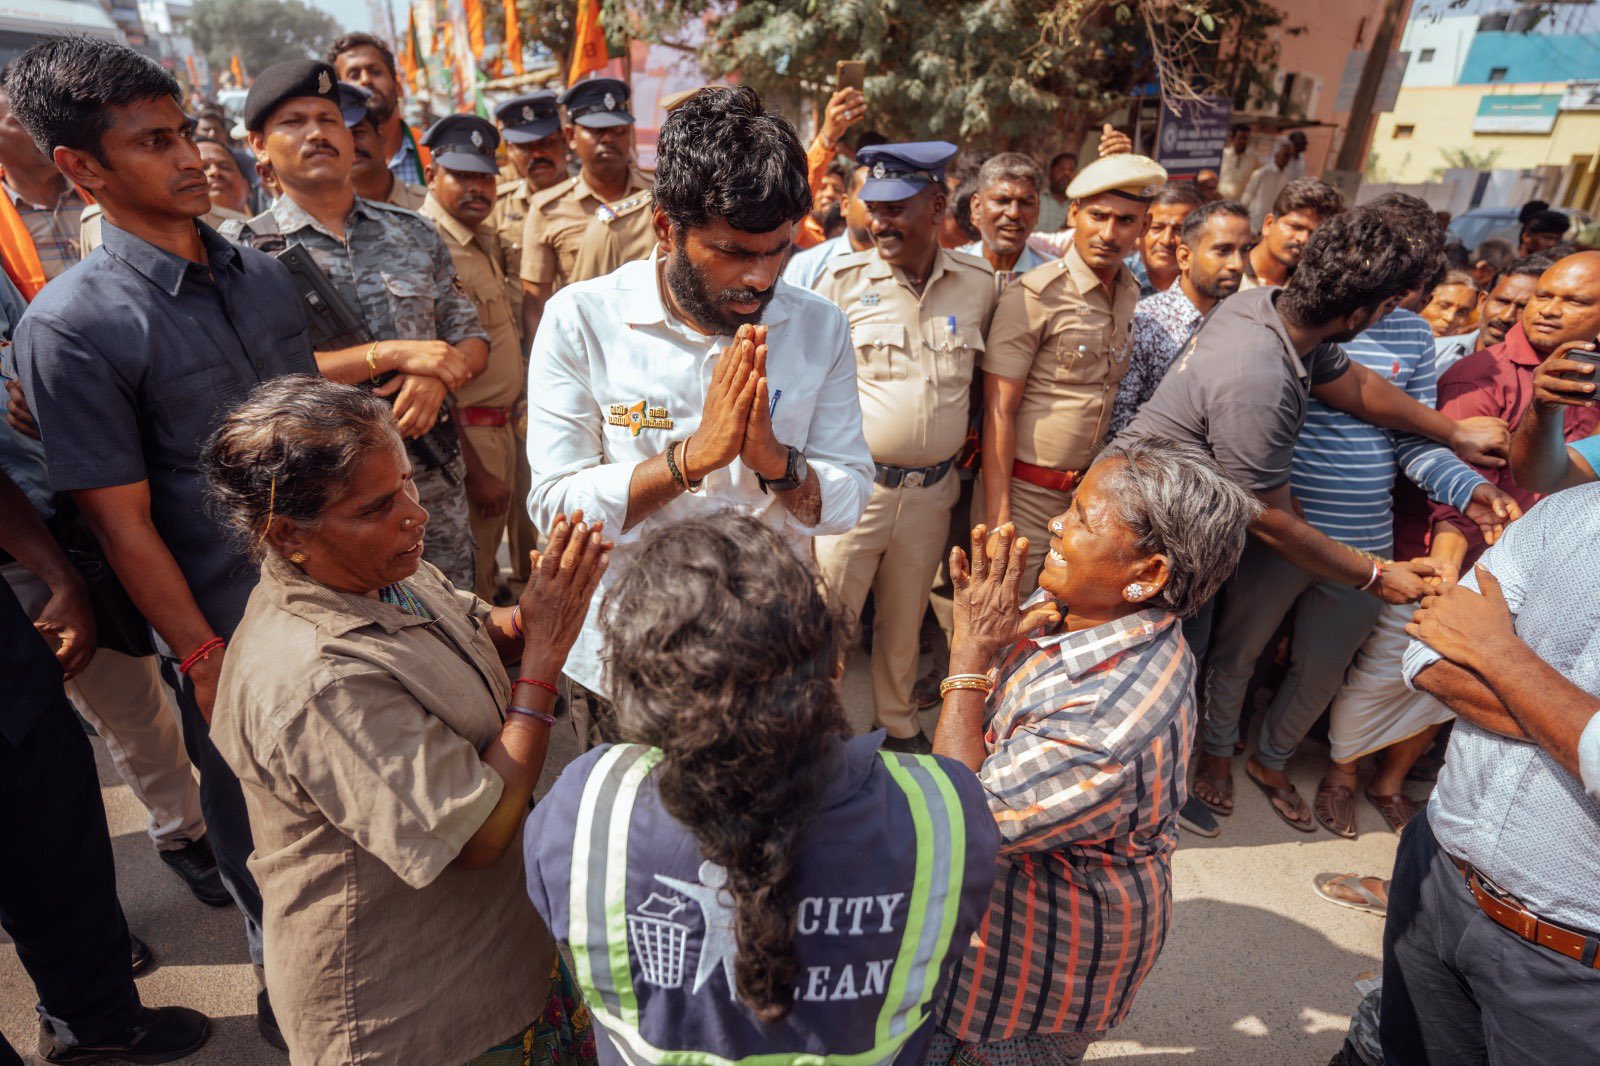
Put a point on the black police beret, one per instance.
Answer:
(285, 81)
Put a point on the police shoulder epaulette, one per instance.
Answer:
(1043, 276)
(506, 187)
(840, 263)
(553, 193)
(609, 213)
(970, 260)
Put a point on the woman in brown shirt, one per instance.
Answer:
(387, 762)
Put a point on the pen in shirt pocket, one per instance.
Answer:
(772, 409)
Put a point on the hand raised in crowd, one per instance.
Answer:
(762, 452)
(726, 416)
(429, 359)
(1492, 510)
(1462, 625)
(1404, 582)
(67, 624)
(845, 108)
(417, 400)
(18, 415)
(561, 582)
(1560, 380)
(988, 596)
(1482, 440)
(1114, 142)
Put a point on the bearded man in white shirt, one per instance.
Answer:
(652, 396)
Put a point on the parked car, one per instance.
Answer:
(1474, 227)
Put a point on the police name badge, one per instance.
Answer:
(870, 299)
(637, 417)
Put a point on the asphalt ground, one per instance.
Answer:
(1256, 969)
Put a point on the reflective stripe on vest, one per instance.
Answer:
(598, 919)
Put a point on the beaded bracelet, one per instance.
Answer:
(200, 654)
(528, 712)
(536, 683)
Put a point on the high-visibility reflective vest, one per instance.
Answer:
(601, 928)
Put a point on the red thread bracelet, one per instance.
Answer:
(516, 620)
(536, 683)
(528, 712)
(200, 654)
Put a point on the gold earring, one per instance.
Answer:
(298, 558)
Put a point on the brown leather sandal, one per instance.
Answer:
(1220, 788)
(1335, 808)
(1287, 796)
(1397, 809)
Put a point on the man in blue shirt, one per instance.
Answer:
(131, 358)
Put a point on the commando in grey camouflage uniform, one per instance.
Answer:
(393, 268)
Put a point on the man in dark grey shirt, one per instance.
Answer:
(131, 358)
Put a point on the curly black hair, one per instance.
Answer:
(1357, 260)
(1412, 216)
(62, 90)
(722, 652)
(360, 40)
(722, 154)
(1312, 195)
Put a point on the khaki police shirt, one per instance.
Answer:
(476, 255)
(406, 195)
(1058, 330)
(554, 227)
(618, 233)
(915, 355)
(507, 219)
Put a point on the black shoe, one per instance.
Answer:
(198, 868)
(267, 1022)
(162, 1034)
(1197, 818)
(916, 744)
(142, 956)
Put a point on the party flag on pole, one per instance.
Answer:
(238, 71)
(588, 41)
(408, 54)
(513, 45)
(474, 11)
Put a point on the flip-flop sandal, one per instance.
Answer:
(1372, 904)
(1223, 788)
(1287, 795)
(1335, 808)
(1397, 809)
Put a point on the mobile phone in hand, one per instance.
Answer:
(850, 74)
(1592, 358)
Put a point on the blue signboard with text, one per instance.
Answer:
(1193, 134)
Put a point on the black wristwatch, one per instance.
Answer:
(794, 474)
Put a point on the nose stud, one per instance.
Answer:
(1056, 527)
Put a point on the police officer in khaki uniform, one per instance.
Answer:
(530, 125)
(1057, 351)
(461, 183)
(624, 231)
(600, 131)
(917, 315)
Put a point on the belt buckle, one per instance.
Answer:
(915, 479)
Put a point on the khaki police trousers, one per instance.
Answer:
(497, 451)
(894, 551)
(521, 534)
(1032, 508)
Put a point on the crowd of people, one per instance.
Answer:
(275, 410)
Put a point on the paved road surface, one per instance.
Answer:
(1256, 968)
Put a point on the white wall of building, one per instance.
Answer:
(1438, 48)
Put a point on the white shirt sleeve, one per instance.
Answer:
(835, 446)
(1589, 757)
(566, 430)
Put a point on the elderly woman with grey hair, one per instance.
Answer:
(387, 759)
(1076, 709)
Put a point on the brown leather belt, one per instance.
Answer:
(1044, 477)
(484, 416)
(1507, 911)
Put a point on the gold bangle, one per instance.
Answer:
(372, 363)
(975, 682)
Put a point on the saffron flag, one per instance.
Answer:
(513, 45)
(588, 41)
(408, 54)
(474, 10)
(238, 71)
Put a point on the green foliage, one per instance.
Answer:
(1467, 159)
(263, 32)
(987, 73)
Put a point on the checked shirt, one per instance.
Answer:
(1088, 734)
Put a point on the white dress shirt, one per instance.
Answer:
(807, 265)
(605, 345)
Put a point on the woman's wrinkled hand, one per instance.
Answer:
(560, 585)
(988, 600)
